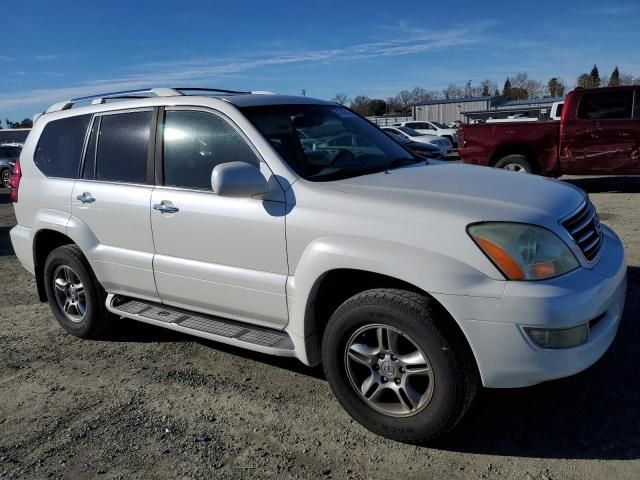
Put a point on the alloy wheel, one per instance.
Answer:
(69, 293)
(388, 370)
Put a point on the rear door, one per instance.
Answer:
(112, 197)
(220, 255)
(602, 138)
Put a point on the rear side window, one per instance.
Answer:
(10, 152)
(606, 105)
(194, 143)
(123, 147)
(60, 146)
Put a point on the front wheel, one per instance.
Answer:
(397, 367)
(76, 298)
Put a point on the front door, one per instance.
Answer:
(220, 255)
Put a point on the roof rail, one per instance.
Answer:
(100, 97)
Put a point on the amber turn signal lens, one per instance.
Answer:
(501, 258)
(544, 270)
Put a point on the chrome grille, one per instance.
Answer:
(584, 227)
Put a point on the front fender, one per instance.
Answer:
(430, 271)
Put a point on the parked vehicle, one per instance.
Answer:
(556, 111)
(9, 153)
(14, 135)
(433, 128)
(442, 143)
(412, 282)
(425, 150)
(599, 133)
(455, 124)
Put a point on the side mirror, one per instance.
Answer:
(238, 179)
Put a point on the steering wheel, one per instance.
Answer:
(345, 156)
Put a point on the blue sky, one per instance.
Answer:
(53, 50)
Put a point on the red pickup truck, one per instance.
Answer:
(598, 133)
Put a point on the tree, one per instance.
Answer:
(377, 107)
(506, 90)
(614, 79)
(393, 105)
(628, 79)
(595, 77)
(419, 95)
(341, 98)
(584, 81)
(360, 104)
(556, 87)
(405, 99)
(453, 91)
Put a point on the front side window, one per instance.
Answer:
(60, 146)
(606, 105)
(326, 142)
(195, 143)
(123, 146)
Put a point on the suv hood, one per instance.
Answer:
(477, 193)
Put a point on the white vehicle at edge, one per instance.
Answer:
(433, 128)
(442, 143)
(412, 282)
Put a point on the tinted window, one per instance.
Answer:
(606, 105)
(10, 152)
(60, 146)
(123, 146)
(194, 143)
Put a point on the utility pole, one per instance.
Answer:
(304, 92)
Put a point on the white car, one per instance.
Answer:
(413, 282)
(433, 128)
(442, 143)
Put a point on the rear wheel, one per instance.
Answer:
(515, 163)
(76, 298)
(5, 176)
(396, 366)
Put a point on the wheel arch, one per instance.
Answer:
(44, 242)
(516, 149)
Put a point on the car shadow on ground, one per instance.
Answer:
(5, 242)
(592, 415)
(619, 184)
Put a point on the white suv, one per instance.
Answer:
(413, 282)
(433, 128)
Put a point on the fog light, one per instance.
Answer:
(559, 337)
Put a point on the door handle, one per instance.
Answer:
(165, 208)
(86, 198)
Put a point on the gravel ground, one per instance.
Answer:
(130, 406)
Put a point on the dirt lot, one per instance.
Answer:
(129, 406)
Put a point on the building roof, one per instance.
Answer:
(459, 100)
(531, 101)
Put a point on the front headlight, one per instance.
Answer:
(522, 251)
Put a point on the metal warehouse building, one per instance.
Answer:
(536, 108)
(449, 110)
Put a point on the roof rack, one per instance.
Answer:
(101, 98)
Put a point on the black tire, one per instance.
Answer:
(5, 176)
(455, 377)
(515, 163)
(96, 316)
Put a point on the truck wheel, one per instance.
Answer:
(76, 298)
(396, 367)
(515, 163)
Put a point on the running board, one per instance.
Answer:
(260, 339)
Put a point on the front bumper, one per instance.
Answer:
(505, 354)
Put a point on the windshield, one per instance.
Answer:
(440, 125)
(323, 143)
(10, 152)
(411, 132)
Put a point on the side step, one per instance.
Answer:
(260, 339)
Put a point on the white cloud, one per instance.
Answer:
(194, 70)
